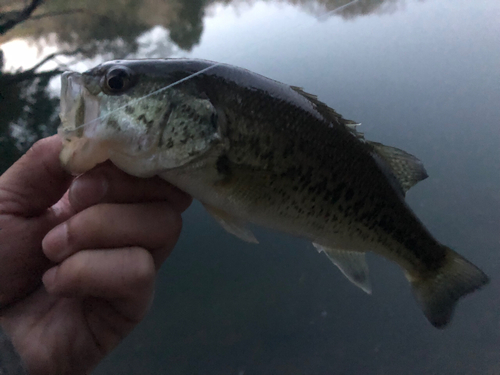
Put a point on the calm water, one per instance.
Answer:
(420, 75)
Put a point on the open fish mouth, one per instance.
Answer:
(79, 123)
(79, 108)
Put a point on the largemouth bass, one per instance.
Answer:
(254, 150)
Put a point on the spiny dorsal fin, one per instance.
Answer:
(407, 169)
(329, 113)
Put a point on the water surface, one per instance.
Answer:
(419, 75)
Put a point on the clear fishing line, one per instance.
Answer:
(324, 16)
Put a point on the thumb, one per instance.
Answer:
(36, 181)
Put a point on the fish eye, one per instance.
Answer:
(117, 80)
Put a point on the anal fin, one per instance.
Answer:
(351, 263)
(231, 224)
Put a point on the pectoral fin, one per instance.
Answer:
(231, 224)
(352, 264)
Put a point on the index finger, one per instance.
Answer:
(36, 181)
(108, 184)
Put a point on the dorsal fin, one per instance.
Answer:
(406, 168)
(329, 113)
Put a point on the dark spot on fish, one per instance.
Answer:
(267, 156)
(129, 109)
(387, 224)
(186, 134)
(358, 206)
(319, 187)
(169, 144)
(411, 243)
(291, 173)
(223, 165)
(349, 194)
(337, 192)
(213, 120)
(302, 145)
(142, 118)
(113, 124)
(288, 151)
(163, 125)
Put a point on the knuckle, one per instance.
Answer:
(88, 225)
(71, 237)
(72, 271)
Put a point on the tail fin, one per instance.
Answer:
(438, 294)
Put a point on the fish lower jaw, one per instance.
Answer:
(82, 154)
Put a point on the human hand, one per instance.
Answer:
(78, 257)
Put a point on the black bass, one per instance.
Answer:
(254, 150)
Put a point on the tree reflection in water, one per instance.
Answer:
(91, 28)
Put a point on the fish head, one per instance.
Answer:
(127, 112)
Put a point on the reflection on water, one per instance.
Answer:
(27, 112)
(89, 28)
(421, 76)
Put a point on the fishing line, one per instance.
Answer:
(324, 16)
(342, 7)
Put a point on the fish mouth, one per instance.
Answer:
(82, 149)
(78, 106)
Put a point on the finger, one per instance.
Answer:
(21, 261)
(125, 277)
(154, 226)
(106, 183)
(36, 181)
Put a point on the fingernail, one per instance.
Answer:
(49, 278)
(86, 191)
(55, 243)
